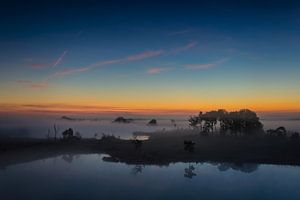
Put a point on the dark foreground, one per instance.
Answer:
(160, 149)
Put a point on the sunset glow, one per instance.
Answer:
(191, 64)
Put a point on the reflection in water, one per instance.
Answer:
(245, 167)
(70, 157)
(242, 167)
(88, 177)
(137, 169)
(189, 172)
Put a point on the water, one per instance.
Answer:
(88, 177)
(38, 125)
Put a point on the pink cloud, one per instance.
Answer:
(59, 60)
(156, 70)
(23, 81)
(35, 65)
(145, 54)
(39, 85)
(107, 62)
(31, 84)
(38, 65)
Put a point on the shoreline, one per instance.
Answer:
(162, 148)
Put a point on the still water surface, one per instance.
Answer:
(89, 177)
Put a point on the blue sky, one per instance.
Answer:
(231, 54)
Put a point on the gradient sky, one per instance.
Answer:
(150, 55)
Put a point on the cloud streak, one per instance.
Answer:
(205, 65)
(59, 60)
(189, 46)
(181, 32)
(144, 55)
(34, 85)
(200, 66)
(156, 70)
(131, 58)
(70, 71)
(38, 65)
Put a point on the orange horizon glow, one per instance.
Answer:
(143, 109)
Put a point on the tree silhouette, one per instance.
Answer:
(244, 121)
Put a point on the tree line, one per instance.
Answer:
(237, 122)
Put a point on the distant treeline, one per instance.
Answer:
(243, 121)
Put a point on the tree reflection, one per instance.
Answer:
(242, 167)
(189, 172)
(68, 158)
(137, 169)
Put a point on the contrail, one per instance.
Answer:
(58, 61)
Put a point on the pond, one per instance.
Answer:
(89, 177)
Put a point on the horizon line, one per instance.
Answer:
(94, 109)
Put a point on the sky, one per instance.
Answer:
(149, 56)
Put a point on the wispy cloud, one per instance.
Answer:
(70, 71)
(32, 84)
(59, 60)
(181, 32)
(205, 65)
(35, 65)
(23, 81)
(131, 58)
(145, 54)
(39, 85)
(186, 47)
(38, 65)
(200, 66)
(106, 62)
(156, 70)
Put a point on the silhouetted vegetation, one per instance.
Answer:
(189, 145)
(108, 137)
(280, 131)
(122, 120)
(295, 135)
(137, 143)
(69, 135)
(238, 122)
(173, 122)
(152, 122)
